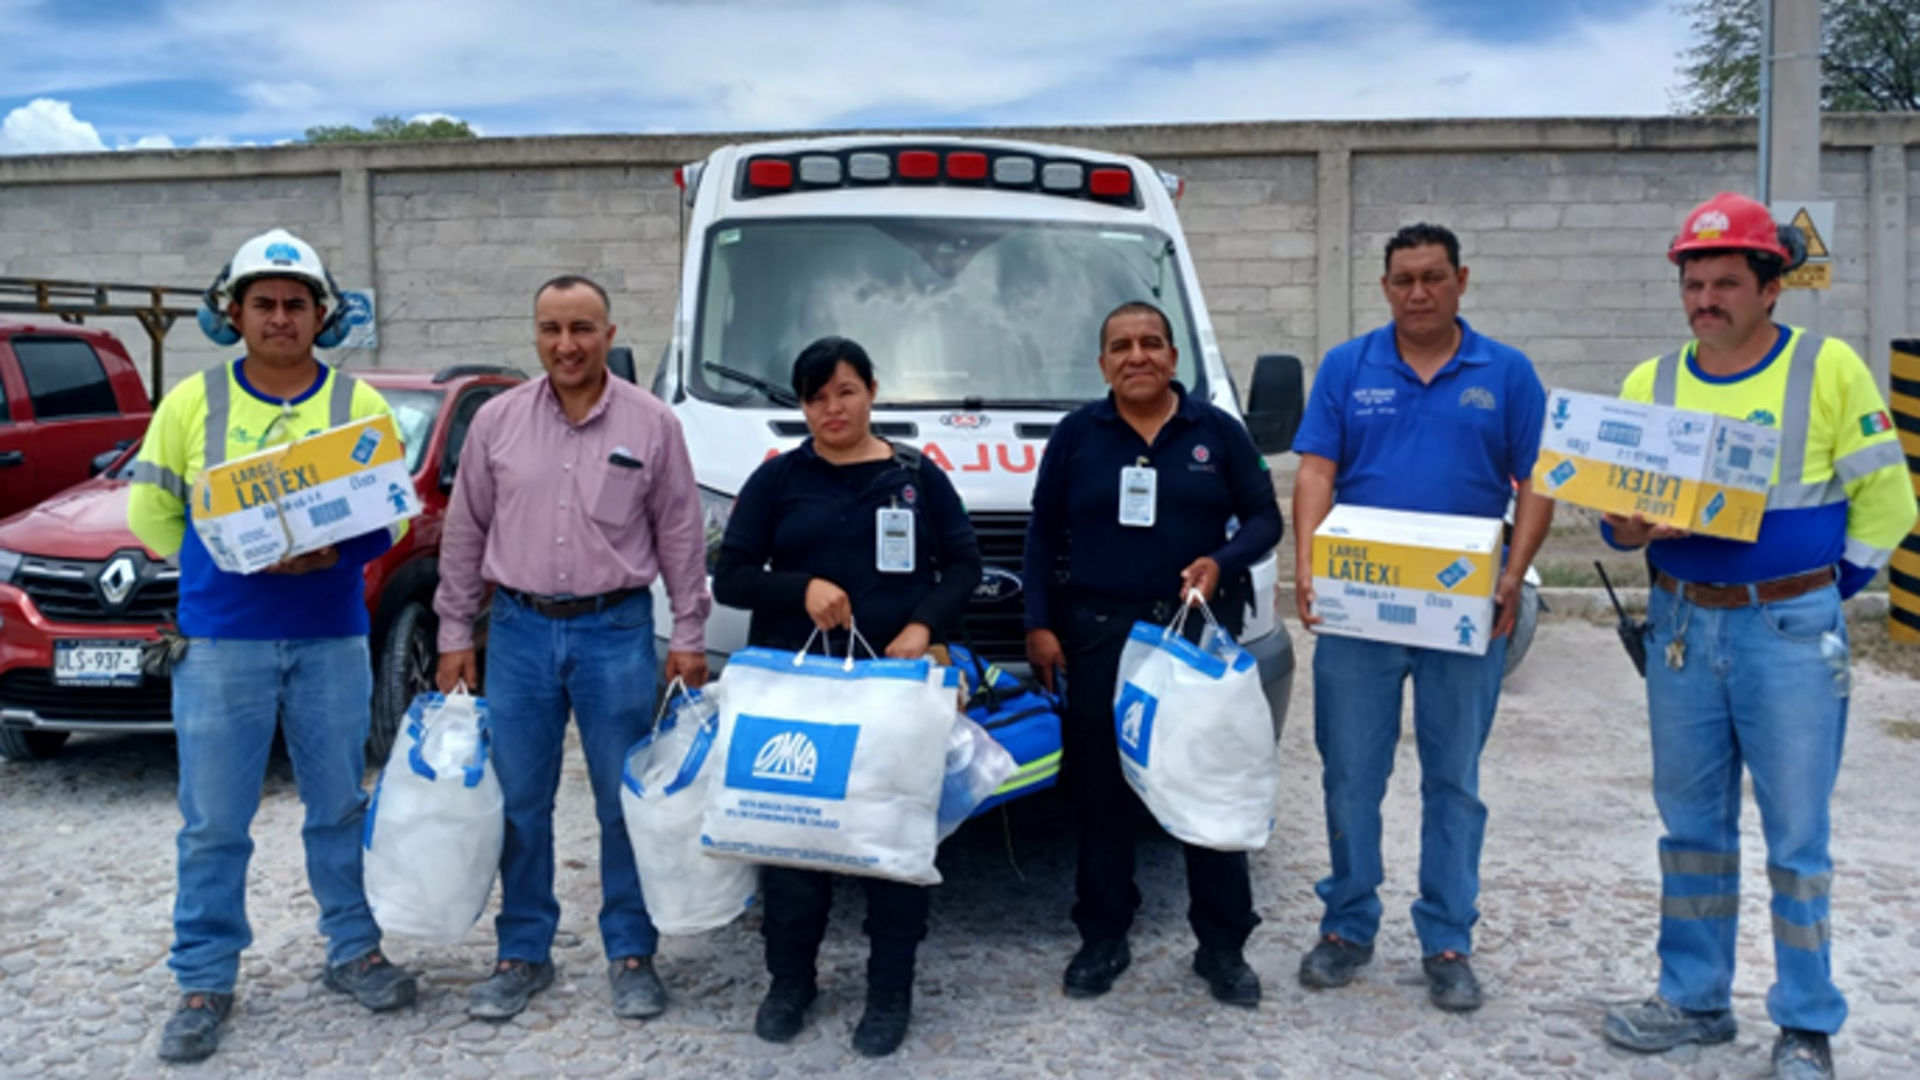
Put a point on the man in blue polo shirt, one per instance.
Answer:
(1421, 415)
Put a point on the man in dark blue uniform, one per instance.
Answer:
(1136, 490)
(1427, 416)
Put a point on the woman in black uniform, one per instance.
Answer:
(802, 552)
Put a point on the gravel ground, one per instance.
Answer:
(1569, 901)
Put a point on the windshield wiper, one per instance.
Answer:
(779, 395)
(975, 404)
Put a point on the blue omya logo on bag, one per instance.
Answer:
(1561, 473)
(1619, 433)
(791, 757)
(1456, 573)
(1133, 722)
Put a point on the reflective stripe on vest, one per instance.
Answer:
(1790, 489)
(219, 392)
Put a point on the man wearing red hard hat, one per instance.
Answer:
(1754, 640)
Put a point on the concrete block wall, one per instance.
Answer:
(1564, 224)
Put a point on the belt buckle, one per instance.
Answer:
(560, 598)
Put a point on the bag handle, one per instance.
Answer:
(473, 773)
(1179, 624)
(853, 636)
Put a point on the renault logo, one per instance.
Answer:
(117, 580)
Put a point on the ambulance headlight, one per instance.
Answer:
(715, 510)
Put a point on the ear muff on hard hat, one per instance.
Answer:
(1795, 242)
(274, 253)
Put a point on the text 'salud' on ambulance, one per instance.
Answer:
(255, 510)
(1425, 580)
(1696, 471)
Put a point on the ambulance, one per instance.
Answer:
(975, 272)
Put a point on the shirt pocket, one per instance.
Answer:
(621, 491)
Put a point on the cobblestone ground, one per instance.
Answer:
(1569, 902)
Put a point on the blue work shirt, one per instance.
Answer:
(1208, 473)
(1451, 446)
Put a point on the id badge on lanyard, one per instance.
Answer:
(1138, 487)
(893, 540)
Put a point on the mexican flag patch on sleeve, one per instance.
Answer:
(1875, 423)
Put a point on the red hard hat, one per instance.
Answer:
(1729, 222)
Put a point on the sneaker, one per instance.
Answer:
(1802, 1055)
(637, 993)
(1331, 964)
(1228, 976)
(784, 1010)
(1451, 984)
(193, 1031)
(883, 1026)
(1657, 1025)
(1095, 966)
(507, 991)
(374, 981)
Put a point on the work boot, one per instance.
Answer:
(193, 1031)
(374, 981)
(637, 993)
(1228, 976)
(507, 991)
(1331, 963)
(1657, 1025)
(883, 1026)
(1802, 1055)
(1451, 984)
(1095, 966)
(784, 1010)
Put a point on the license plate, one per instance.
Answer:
(96, 663)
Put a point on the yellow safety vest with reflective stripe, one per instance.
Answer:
(209, 419)
(1840, 489)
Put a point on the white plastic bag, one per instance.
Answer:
(832, 764)
(976, 767)
(1195, 736)
(663, 794)
(434, 829)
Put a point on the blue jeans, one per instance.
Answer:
(228, 695)
(1357, 688)
(601, 668)
(1758, 688)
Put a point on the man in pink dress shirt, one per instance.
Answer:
(575, 493)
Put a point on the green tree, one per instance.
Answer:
(392, 129)
(1870, 56)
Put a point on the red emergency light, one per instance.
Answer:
(1110, 183)
(770, 174)
(918, 165)
(966, 165)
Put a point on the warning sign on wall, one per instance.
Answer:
(1815, 222)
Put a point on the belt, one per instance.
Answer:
(571, 607)
(1733, 596)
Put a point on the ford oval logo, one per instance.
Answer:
(966, 421)
(996, 585)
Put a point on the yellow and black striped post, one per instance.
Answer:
(1903, 608)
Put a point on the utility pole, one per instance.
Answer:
(1790, 119)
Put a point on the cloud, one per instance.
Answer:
(46, 126)
(148, 142)
(737, 65)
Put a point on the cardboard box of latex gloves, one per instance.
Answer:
(288, 500)
(1413, 579)
(1697, 471)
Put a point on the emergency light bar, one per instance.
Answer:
(780, 174)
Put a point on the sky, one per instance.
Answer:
(157, 74)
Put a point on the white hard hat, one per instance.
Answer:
(276, 253)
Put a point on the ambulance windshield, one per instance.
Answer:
(953, 312)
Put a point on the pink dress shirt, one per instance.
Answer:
(542, 505)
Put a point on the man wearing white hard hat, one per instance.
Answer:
(283, 647)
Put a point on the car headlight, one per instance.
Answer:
(9, 565)
(715, 510)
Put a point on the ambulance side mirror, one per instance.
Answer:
(620, 362)
(1275, 402)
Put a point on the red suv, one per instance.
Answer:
(79, 594)
(67, 394)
